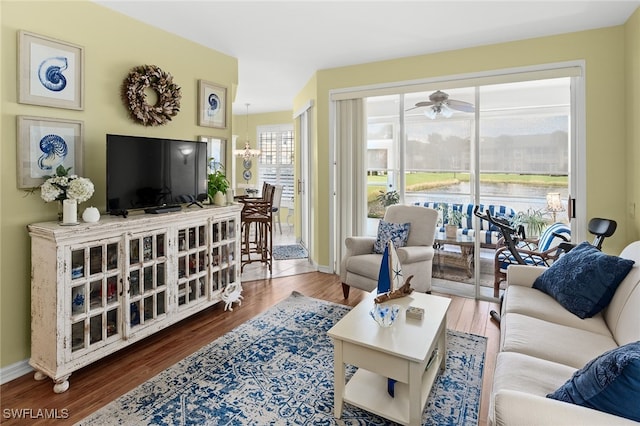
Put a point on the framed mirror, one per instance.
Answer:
(216, 149)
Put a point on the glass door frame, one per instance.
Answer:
(577, 171)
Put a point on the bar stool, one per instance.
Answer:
(257, 217)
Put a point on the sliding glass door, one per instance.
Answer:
(505, 150)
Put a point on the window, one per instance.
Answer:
(523, 146)
(276, 161)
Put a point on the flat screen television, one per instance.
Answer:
(144, 173)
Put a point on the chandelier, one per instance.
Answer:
(247, 152)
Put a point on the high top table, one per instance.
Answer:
(411, 351)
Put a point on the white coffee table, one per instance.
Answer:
(400, 352)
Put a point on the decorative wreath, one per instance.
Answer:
(169, 95)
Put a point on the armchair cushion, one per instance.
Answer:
(398, 233)
(584, 280)
(609, 383)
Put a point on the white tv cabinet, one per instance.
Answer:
(98, 287)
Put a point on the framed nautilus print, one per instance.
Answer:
(212, 105)
(46, 143)
(50, 72)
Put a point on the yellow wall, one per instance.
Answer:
(113, 44)
(632, 97)
(604, 53)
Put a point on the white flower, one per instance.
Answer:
(62, 186)
(80, 189)
(49, 192)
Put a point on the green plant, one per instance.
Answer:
(532, 219)
(388, 198)
(216, 180)
(450, 215)
(455, 217)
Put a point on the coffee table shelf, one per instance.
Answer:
(368, 391)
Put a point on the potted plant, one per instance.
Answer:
(217, 184)
(533, 221)
(388, 198)
(454, 221)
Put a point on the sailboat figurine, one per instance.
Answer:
(390, 286)
(390, 278)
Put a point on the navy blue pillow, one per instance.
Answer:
(609, 383)
(584, 280)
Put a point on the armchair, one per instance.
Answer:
(360, 265)
(541, 252)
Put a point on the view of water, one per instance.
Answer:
(517, 196)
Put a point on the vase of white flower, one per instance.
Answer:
(63, 186)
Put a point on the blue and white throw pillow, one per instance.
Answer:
(609, 383)
(396, 232)
(584, 280)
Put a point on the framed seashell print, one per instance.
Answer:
(50, 72)
(43, 145)
(212, 105)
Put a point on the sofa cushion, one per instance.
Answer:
(609, 383)
(584, 280)
(553, 342)
(514, 372)
(534, 303)
(396, 232)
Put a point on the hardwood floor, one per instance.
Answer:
(96, 385)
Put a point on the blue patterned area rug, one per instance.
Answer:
(293, 251)
(277, 369)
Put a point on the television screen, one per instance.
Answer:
(150, 172)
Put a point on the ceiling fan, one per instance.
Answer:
(441, 105)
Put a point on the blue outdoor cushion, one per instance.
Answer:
(609, 383)
(584, 280)
(396, 232)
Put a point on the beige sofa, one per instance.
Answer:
(542, 345)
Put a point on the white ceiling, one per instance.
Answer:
(280, 44)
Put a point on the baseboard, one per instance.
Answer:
(13, 371)
(324, 269)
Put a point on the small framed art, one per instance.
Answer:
(46, 143)
(212, 105)
(50, 72)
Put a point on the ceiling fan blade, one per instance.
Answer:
(461, 105)
(420, 105)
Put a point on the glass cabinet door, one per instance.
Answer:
(192, 265)
(146, 270)
(94, 295)
(224, 251)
